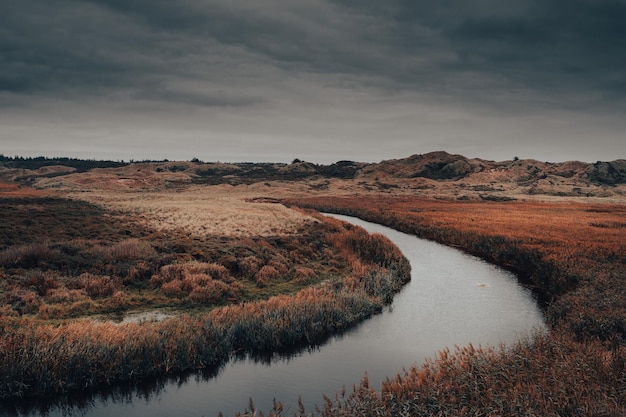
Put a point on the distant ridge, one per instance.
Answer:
(455, 176)
(444, 166)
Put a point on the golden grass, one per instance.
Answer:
(201, 211)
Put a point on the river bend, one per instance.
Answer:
(452, 299)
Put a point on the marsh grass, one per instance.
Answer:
(252, 294)
(549, 375)
(123, 265)
(576, 369)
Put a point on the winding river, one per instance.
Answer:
(452, 299)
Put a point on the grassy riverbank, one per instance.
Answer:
(240, 273)
(573, 254)
(227, 294)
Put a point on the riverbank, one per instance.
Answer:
(573, 253)
(49, 345)
(452, 299)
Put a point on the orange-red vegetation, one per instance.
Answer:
(550, 376)
(572, 253)
(14, 190)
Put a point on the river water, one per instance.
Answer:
(452, 299)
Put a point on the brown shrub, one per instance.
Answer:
(28, 254)
(131, 249)
(219, 272)
(303, 275)
(98, 286)
(7, 311)
(180, 271)
(194, 280)
(296, 257)
(212, 292)
(266, 275)
(27, 301)
(124, 250)
(64, 295)
(168, 273)
(173, 288)
(138, 272)
(250, 265)
(41, 281)
(81, 308)
(281, 264)
(47, 311)
(119, 300)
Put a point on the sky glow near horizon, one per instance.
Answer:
(318, 80)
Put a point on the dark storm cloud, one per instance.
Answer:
(82, 46)
(15, 84)
(66, 46)
(345, 69)
(547, 46)
(569, 45)
(70, 47)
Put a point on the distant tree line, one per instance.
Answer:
(37, 162)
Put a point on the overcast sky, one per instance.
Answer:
(319, 80)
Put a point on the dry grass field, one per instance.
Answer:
(201, 211)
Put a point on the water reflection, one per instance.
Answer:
(84, 402)
(92, 402)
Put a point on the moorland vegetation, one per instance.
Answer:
(572, 254)
(87, 247)
(226, 294)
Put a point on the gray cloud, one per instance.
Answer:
(567, 45)
(439, 74)
(71, 44)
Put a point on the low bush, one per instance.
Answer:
(125, 250)
(98, 286)
(303, 275)
(266, 275)
(28, 255)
